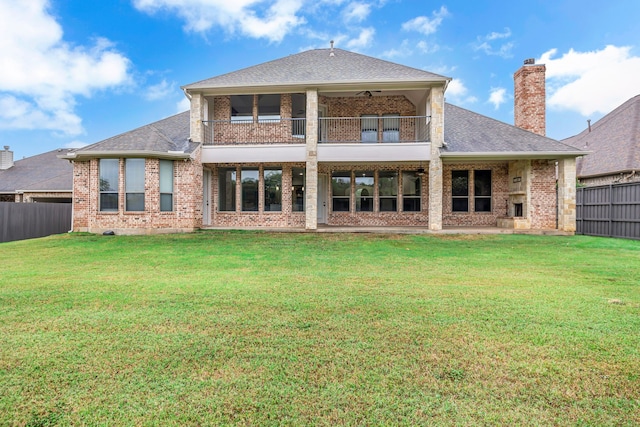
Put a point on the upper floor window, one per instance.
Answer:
(390, 127)
(109, 178)
(241, 108)
(166, 185)
(369, 127)
(134, 184)
(268, 107)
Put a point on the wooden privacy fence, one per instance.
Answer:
(609, 210)
(20, 221)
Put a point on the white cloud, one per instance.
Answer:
(402, 51)
(483, 43)
(426, 25)
(356, 12)
(247, 17)
(498, 96)
(159, 91)
(41, 75)
(183, 105)
(591, 82)
(425, 47)
(458, 92)
(364, 39)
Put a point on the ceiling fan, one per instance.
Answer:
(368, 93)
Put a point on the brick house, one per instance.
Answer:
(614, 142)
(40, 178)
(329, 137)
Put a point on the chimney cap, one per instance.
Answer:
(529, 61)
(6, 148)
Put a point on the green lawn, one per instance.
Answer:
(297, 329)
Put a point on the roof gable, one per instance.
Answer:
(318, 67)
(614, 141)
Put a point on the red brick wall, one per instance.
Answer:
(187, 199)
(543, 194)
(530, 98)
(499, 195)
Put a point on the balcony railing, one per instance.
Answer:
(383, 129)
(374, 129)
(264, 131)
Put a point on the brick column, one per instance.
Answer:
(195, 120)
(311, 184)
(567, 195)
(435, 164)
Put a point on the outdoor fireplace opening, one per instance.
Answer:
(517, 209)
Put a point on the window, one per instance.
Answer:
(388, 191)
(241, 108)
(482, 190)
(227, 189)
(390, 128)
(369, 127)
(297, 189)
(268, 108)
(298, 113)
(410, 192)
(273, 190)
(134, 185)
(249, 181)
(109, 177)
(166, 185)
(364, 191)
(341, 191)
(460, 191)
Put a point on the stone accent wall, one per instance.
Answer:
(499, 195)
(617, 178)
(435, 166)
(567, 195)
(187, 200)
(29, 197)
(530, 98)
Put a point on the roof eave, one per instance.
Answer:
(511, 155)
(88, 155)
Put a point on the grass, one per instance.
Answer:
(248, 328)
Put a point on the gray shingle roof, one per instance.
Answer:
(170, 134)
(42, 172)
(469, 132)
(318, 67)
(614, 141)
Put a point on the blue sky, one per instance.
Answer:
(74, 72)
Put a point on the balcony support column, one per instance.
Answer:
(435, 165)
(311, 184)
(196, 128)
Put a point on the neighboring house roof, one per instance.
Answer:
(40, 173)
(167, 138)
(614, 141)
(318, 67)
(469, 134)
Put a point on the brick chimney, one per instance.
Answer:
(6, 158)
(530, 98)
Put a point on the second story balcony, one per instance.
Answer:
(367, 129)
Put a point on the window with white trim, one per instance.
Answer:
(109, 170)
(134, 185)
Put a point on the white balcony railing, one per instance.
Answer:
(368, 129)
